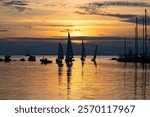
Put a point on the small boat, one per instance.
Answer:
(69, 52)
(113, 58)
(1, 59)
(7, 58)
(60, 54)
(22, 59)
(83, 55)
(45, 61)
(95, 54)
(32, 58)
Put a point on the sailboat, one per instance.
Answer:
(95, 54)
(83, 55)
(69, 51)
(60, 54)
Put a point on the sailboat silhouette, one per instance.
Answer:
(60, 54)
(95, 54)
(83, 55)
(69, 51)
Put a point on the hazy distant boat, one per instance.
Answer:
(95, 54)
(22, 59)
(7, 58)
(32, 58)
(60, 54)
(1, 59)
(45, 61)
(83, 54)
(69, 51)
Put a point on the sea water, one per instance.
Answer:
(105, 79)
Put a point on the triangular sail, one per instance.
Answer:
(60, 52)
(83, 54)
(95, 53)
(69, 52)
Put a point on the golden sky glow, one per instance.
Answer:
(40, 18)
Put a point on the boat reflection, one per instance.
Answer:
(144, 80)
(60, 71)
(135, 79)
(69, 74)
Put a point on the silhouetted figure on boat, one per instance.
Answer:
(7, 58)
(95, 54)
(45, 61)
(32, 58)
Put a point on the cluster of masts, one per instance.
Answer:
(69, 55)
(137, 57)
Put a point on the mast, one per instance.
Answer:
(125, 46)
(143, 37)
(145, 33)
(136, 38)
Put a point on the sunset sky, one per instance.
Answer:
(52, 18)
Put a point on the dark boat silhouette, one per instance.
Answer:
(83, 55)
(1, 59)
(60, 54)
(7, 58)
(32, 58)
(22, 59)
(45, 61)
(69, 51)
(95, 54)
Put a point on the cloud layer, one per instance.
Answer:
(96, 8)
(19, 5)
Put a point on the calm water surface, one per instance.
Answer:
(105, 80)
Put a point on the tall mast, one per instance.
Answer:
(125, 46)
(136, 38)
(143, 37)
(145, 32)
